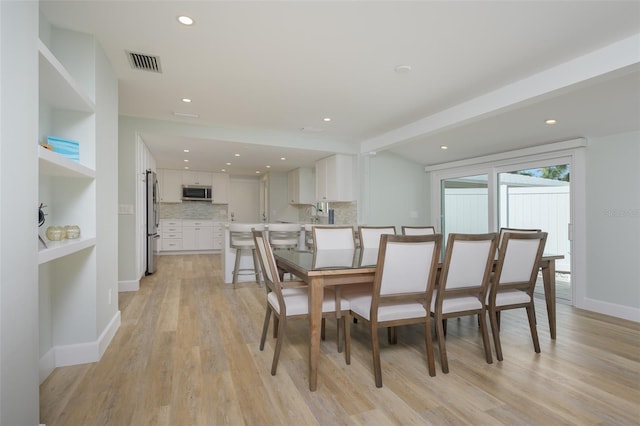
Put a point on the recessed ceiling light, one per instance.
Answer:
(283, 158)
(186, 167)
(185, 150)
(268, 166)
(403, 69)
(186, 100)
(223, 170)
(185, 20)
(236, 155)
(326, 119)
(228, 164)
(444, 147)
(186, 161)
(257, 172)
(550, 121)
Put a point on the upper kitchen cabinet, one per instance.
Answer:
(220, 188)
(335, 178)
(190, 177)
(170, 182)
(300, 185)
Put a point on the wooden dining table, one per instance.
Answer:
(327, 268)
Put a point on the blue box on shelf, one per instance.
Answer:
(67, 148)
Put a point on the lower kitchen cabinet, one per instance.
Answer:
(191, 235)
(197, 235)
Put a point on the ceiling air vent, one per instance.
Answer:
(140, 61)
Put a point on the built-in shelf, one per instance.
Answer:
(58, 249)
(54, 164)
(57, 87)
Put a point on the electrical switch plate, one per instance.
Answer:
(125, 209)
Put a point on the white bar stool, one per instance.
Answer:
(241, 238)
(284, 235)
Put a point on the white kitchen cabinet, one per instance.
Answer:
(191, 177)
(301, 186)
(197, 235)
(335, 178)
(171, 232)
(218, 235)
(220, 188)
(170, 182)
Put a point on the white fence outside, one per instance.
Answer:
(543, 207)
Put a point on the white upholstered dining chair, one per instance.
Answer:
(370, 235)
(418, 230)
(514, 280)
(333, 237)
(288, 299)
(503, 231)
(463, 286)
(407, 267)
(240, 239)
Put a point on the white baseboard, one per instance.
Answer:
(612, 309)
(132, 285)
(81, 353)
(46, 364)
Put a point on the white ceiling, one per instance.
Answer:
(484, 75)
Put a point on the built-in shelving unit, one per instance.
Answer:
(67, 274)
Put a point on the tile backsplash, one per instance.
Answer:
(194, 210)
(344, 213)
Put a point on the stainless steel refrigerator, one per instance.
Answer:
(153, 221)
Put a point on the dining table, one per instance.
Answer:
(337, 267)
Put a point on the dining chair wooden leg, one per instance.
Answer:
(495, 331)
(443, 349)
(347, 338)
(375, 350)
(431, 365)
(485, 338)
(392, 335)
(265, 327)
(276, 353)
(531, 313)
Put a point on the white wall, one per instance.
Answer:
(394, 191)
(106, 88)
(244, 200)
(19, 393)
(613, 225)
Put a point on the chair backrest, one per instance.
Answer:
(333, 237)
(284, 234)
(370, 235)
(418, 230)
(514, 231)
(407, 267)
(467, 265)
(268, 265)
(240, 233)
(518, 262)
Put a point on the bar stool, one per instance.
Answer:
(284, 235)
(241, 238)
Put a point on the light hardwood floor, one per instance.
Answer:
(187, 354)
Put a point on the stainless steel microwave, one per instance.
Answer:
(196, 193)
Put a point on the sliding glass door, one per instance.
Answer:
(540, 198)
(532, 195)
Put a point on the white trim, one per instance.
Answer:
(511, 155)
(82, 353)
(130, 285)
(47, 364)
(612, 309)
